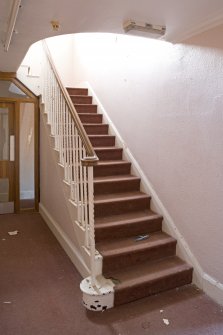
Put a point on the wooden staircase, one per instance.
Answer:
(139, 258)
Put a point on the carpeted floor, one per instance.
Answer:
(39, 294)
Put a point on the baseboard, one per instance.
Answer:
(64, 241)
(205, 282)
(213, 288)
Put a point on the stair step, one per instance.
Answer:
(81, 99)
(102, 140)
(77, 91)
(96, 129)
(148, 278)
(122, 252)
(90, 118)
(125, 225)
(109, 153)
(112, 184)
(106, 168)
(80, 108)
(118, 203)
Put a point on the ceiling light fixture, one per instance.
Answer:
(11, 25)
(155, 31)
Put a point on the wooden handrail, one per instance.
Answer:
(91, 158)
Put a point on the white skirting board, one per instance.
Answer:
(205, 282)
(64, 241)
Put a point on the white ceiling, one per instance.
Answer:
(182, 18)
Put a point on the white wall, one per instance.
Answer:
(63, 56)
(166, 101)
(29, 71)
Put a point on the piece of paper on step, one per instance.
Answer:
(166, 321)
(141, 238)
(161, 311)
(12, 233)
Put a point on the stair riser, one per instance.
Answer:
(86, 109)
(109, 170)
(77, 91)
(117, 262)
(117, 186)
(92, 118)
(146, 289)
(127, 230)
(107, 155)
(96, 129)
(103, 142)
(120, 207)
(81, 99)
(113, 156)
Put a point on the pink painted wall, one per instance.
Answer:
(167, 101)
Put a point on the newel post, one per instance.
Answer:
(89, 163)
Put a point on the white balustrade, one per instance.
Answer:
(75, 150)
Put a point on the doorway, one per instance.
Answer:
(19, 148)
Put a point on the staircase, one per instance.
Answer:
(138, 256)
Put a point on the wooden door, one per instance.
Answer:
(7, 157)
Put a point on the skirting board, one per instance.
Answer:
(213, 288)
(205, 282)
(64, 241)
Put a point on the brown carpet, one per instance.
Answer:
(39, 294)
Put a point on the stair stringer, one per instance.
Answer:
(79, 255)
(168, 226)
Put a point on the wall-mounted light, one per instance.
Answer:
(155, 31)
(11, 25)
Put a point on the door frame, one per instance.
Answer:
(16, 101)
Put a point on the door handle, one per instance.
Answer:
(12, 148)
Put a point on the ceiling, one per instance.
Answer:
(183, 18)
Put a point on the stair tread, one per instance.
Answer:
(126, 218)
(86, 105)
(79, 95)
(101, 135)
(80, 91)
(94, 124)
(105, 198)
(89, 114)
(115, 178)
(111, 148)
(130, 245)
(148, 272)
(116, 162)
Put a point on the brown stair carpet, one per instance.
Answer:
(137, 255)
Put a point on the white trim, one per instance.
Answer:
(213, 288)
(64, 241)
(207, 283)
